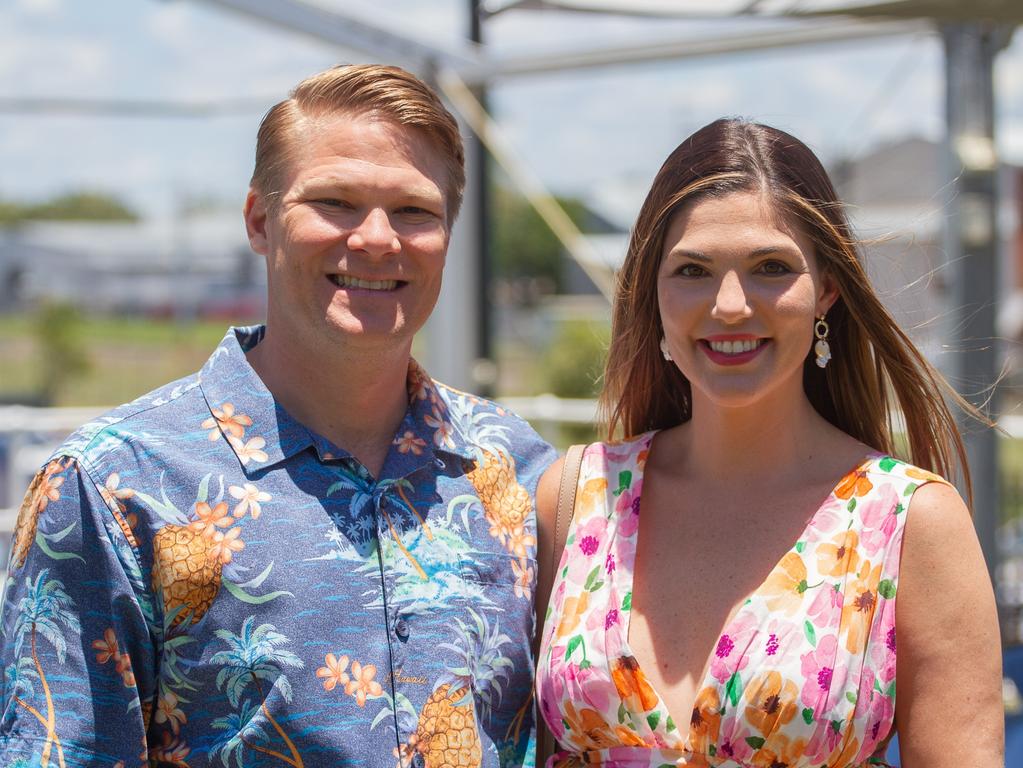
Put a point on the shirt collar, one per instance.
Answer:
(261, 433)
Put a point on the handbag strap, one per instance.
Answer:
(546, 745)
(566, 501)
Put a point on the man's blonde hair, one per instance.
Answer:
(389, 93)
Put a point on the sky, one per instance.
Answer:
(600, 134)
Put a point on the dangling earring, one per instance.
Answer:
(664, 349)
(821, 349)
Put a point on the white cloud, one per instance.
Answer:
(45, 7)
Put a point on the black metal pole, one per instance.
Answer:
(484, 367)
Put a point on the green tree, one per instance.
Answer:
(523, 245)
(575, 358)
(63, 354)
(83, 205)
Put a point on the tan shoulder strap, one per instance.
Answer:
(546, 745)
(566, 500)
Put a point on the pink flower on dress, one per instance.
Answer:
(878, 717)
(730, 652)
(830, 517)
(732, 743)
(879, 519)
(824, 740)
(818, 670)
(590, 535)
(627, 509)
(780, 639)
(882, 645)
(826, 607)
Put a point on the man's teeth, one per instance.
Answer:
(735, 347)
(344, 281)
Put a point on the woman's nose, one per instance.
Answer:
(730, 304)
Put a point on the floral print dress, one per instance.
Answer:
(803, 675)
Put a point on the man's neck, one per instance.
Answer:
(355, 401)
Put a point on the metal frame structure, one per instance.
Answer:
(972, 33)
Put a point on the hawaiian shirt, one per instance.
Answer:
(197, 579)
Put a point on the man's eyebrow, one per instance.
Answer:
(343, 185)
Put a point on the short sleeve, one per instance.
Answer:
(78, 654)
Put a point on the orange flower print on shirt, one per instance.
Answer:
(784, 587)
(227, 421)
(226, 544)
(106, 649)
(706, 720)
(571, 613)
(858, 610)
(772, 702)
(209, 518)
(251, 450)
(250, 499)
(524, 577)
(167, 711)
(409, 443)
(362, 685)
(333, 673)
(839, 556)
(856, 483)
(632, 684)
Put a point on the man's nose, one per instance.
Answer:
(730, 304)
(374, 235)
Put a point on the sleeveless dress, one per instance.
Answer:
(803, 676)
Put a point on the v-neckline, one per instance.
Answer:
(627, 582)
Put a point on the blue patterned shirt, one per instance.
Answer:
(198, 579)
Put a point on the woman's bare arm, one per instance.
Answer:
(949, 674)
(546, 514)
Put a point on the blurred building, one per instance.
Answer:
(195, 266)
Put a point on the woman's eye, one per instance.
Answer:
(774, 268)
(691, 270)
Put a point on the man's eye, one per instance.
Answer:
(331, 202)
(414, 210)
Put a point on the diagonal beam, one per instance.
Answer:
(347, 28)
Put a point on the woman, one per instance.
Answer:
(741, 569)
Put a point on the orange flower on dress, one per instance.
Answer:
(858, 610)
(784, 587)
(855, 483)
(224, 418)
(362, 685)
(629, 737)
(106, 649)
(571, 613)
(779, 751)
(839, 556)
(772, 702)
(923, 475)
(632, 684)
(587, 729)
(334, 673)
(591, 497)
(706, 720)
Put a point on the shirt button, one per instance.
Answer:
(401, 629)
(418, 761)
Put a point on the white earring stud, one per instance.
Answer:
(664, 349)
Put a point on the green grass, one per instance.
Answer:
(125, 357)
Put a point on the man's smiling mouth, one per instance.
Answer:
(346, 281)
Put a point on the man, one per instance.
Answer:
(309, 553)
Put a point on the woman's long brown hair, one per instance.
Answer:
(875, 374)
